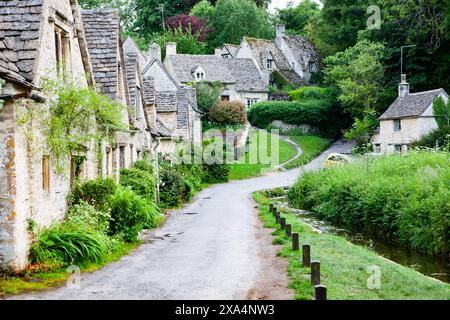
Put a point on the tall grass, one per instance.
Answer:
(404, 198)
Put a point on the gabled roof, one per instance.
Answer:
(129, 46)
(166, 101)
(231, 48)
(149, 90)
(20, 28)
(241, 72)
(163, 68)
(162, 128)
(303, 50)
(131, 70)
(413, 105)
(102, 28)
(215, 68)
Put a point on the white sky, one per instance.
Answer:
(280, 4)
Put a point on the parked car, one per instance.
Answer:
(335, 159)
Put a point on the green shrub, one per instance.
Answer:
(144, 165)
(311, 112)
(216, 173)
(130, 214)
(307, 93)
(95, 192)
(436, 138)
(228, 112)
(171, 189)
(67, 244)
(83, 213)
(404, 198)
(143, 183)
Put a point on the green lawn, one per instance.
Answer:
(246, 170)
(344, 266)
(312, 146)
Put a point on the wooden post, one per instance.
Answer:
(282, 222)
(306, 255)
(295, 245)
(321, 292)
(288, 229)
(315, 273)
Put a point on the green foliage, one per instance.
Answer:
(362, 129)
(228, 113)
(94, 192)
(312, 112)
(171, 189)
(84, 214)
(187, 42)
(404, 198)
(441, 111)
(143, 183)
(203, 10)
(357, 73)
(208, 94)
(234, 19)
(130, 214)
(144, 165)
(68, 244)
(306, 93)
(436, 138)
(297, 17)
(216, 173)
(280, 81)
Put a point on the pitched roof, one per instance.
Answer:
(129, 46)
(215, 68)
(413, 105)
(131, 69)
(20, 25)
(303, 50)
(166, 101)
(162, 128)
(231, 48)
(102, 27)
(149, 90)
(241, 72)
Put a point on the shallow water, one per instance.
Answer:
(429, 265)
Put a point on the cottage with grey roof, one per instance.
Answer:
(38, 39)
(293, 56)
(242, 80)
(409, 118)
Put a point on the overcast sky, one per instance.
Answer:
(280, 4)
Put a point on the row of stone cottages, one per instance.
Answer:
(43, 38)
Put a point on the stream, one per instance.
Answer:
(432, 266)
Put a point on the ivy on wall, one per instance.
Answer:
(73, 119)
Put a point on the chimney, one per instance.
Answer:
(171, 49)
(281, 30)
(154, 52)
(218, 53)
(403, 87)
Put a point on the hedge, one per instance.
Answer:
(228, 113)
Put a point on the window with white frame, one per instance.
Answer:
(270, 64)
(397, 125)
(251, 101)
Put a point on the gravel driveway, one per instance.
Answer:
(211, 249)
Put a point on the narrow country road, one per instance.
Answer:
(211, 249)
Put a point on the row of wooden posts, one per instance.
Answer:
(320, 290)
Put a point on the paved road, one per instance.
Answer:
(205, 251)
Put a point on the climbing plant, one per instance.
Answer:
(75, 119)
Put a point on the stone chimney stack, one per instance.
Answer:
(218, 53)
(403, 87)
(280, 33)
(154, 52)
(171, 49)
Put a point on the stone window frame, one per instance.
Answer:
(63, 47)
(312, 67)
(397, 125)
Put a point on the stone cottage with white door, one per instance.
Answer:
(409, 118)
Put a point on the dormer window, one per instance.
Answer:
(200, 76)
(312, 67)
(270, 64)
(199, 73)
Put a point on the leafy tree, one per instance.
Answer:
(208, 94)
(296, 18)
(357, 73)
(234, 19)
(203, 10)
(127, 9)
(363, 128)
(441, 111)
(187, 42)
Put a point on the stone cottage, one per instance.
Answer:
(294, 57)
(38, 39)
(119, 78)
(242, 80)
(409, 118)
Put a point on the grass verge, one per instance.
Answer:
(344, 266)
(40, 277)
(245, 169)
(312, 146)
